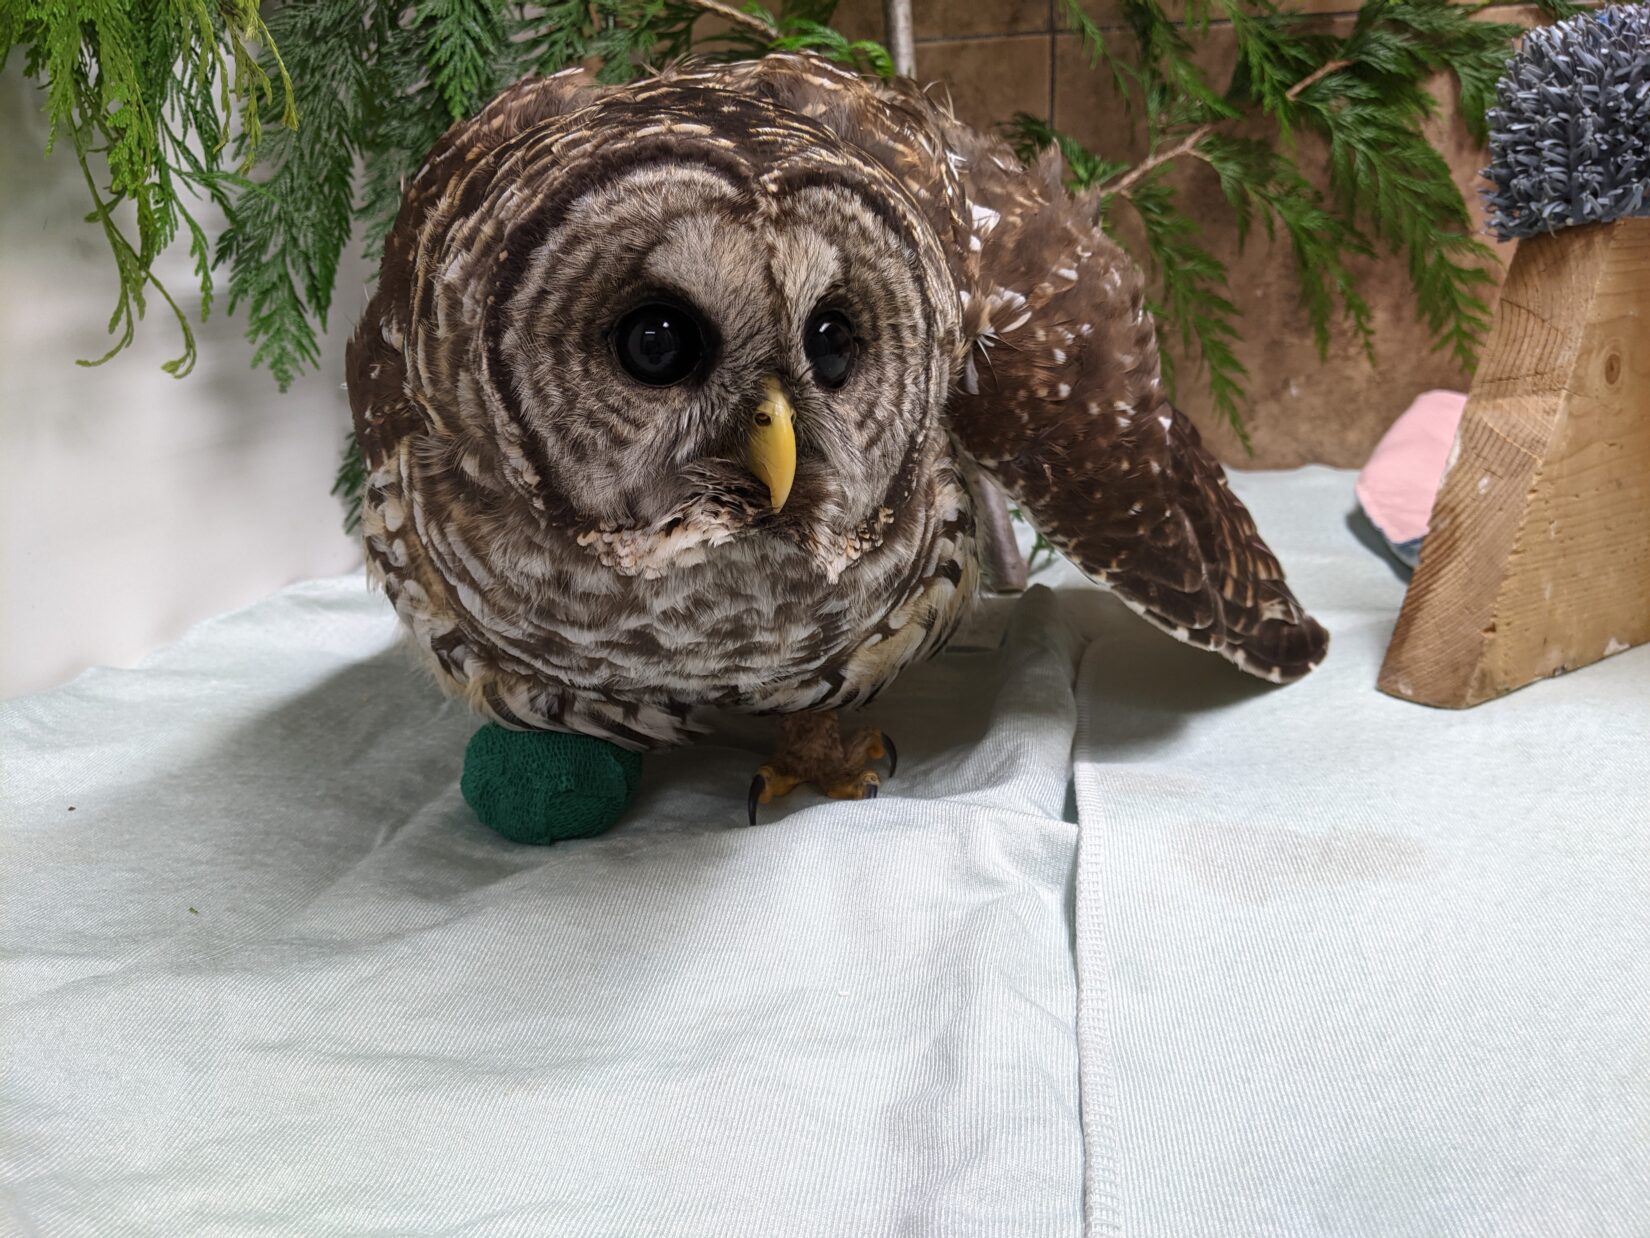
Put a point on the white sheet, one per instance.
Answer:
(1348, 966)
(269, 976)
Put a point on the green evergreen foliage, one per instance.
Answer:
(289, 223)
(169, 101)
(1361, 98)
(147, 97)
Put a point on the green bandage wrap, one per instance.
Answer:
(541, 787)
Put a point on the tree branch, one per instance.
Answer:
(1317, 75)
(1133, 176)
(896, 17)
(737, 17)
(1187, 144)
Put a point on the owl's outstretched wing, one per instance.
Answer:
(1063, 403)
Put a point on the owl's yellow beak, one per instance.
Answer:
(771, 451)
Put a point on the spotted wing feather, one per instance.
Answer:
(1063, 403)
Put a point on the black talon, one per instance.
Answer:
(758, 784)
(893, 754)
(870, 791)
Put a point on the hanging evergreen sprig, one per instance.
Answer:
(289, 223)
(147, 97)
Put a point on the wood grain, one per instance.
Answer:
(1538, 558)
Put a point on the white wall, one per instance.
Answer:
(133, 504)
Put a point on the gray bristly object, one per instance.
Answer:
(1570, 137)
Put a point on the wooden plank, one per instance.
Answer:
(1538, 557)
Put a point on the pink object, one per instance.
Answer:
(1397, 486)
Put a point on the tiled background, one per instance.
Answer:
(998, 57)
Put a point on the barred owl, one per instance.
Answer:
(673, 397)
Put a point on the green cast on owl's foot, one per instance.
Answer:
(541, 787)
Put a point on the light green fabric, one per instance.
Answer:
(1327, 963)
(272, 977)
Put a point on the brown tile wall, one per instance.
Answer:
(997, 57)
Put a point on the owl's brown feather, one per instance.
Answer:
(567, 550)
(571, 550)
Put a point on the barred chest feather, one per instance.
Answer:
(565, 642)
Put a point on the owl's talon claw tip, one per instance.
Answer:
(758, 785)
(870, 791)
(893, 754)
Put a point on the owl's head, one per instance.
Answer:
(681, 306)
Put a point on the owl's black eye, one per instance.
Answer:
(659, 344)
(828, 339)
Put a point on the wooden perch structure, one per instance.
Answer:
(1537, 560)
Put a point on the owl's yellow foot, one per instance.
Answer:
(812, 751)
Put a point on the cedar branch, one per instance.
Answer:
(1135, 174)
(747, 20)
(1317, 75)
(1188, 143)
